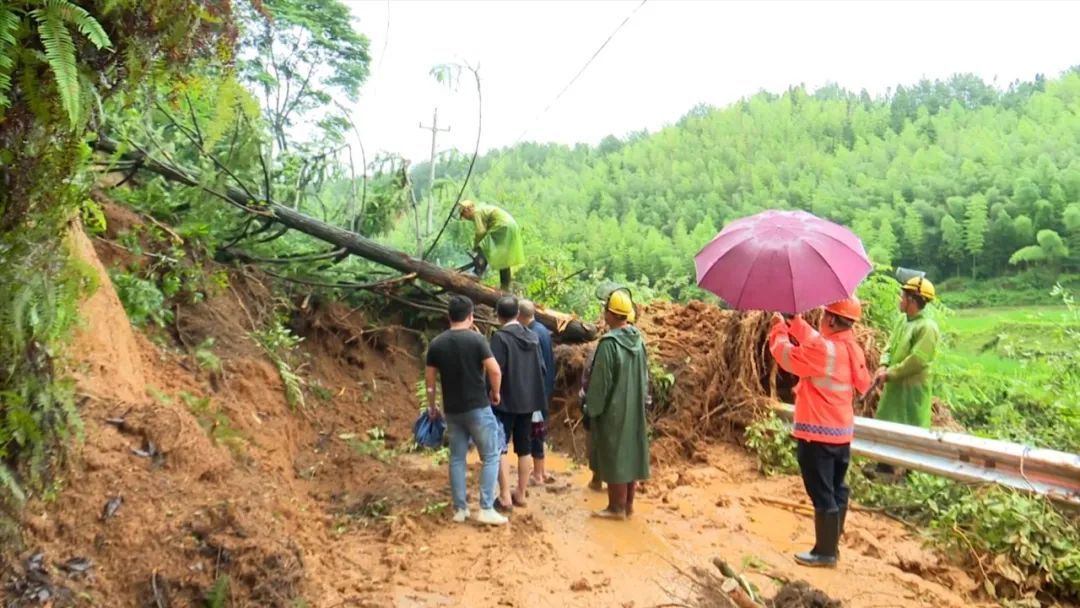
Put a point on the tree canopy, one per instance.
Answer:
(951, 176)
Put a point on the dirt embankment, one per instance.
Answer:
(188, 475)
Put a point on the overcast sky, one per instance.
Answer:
(669, 57)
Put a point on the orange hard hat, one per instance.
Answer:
(849, 308)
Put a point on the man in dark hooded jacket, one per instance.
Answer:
(517, 351)
(527, 317)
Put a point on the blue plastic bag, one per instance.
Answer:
(427, 432)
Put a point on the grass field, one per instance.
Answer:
(1011, 373)
(1009, 340)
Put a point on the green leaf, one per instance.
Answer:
(9, 22)
(60, 53)
(81, 19)
(8, 482)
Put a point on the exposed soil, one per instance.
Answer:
(186, 478)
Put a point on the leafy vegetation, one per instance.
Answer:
(1027, 288)
(218, 595)
(374, 446)
(298, 55)
(435, 508)
(770, 440)
(280, 345)
(57, 66)
(206, 358)
(143, 301)
(1020, 545)
(661, 381)
(54, 21)
(216, 423)
(1015, 375)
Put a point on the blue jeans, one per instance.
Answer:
(486, 432)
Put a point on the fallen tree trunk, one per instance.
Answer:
(566, 327)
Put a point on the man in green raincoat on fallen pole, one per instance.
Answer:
(906, 365)
(497, 240)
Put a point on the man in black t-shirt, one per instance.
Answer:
(462, 360)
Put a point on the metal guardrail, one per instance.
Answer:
(1050, 473)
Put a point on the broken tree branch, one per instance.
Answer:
(566, 327)
(312, 256)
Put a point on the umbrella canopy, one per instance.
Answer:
(782, 261)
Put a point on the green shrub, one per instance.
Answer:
(280, 343)
(206, 358)
(880, 294)
(142, 299)
(1020, 544)
(39, 297)
(771, 441)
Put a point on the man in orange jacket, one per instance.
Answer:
(831, 367)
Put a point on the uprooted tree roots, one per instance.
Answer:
(723, 375)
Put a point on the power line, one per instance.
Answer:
(386, 36)
(566, 88)
(582, 70)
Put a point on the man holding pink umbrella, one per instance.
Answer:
(791, 262)
(831, 367)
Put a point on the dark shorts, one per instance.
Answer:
(539, 434)
(516, 428)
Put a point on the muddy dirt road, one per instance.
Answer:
(554, 554)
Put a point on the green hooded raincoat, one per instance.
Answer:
(907, 395)
(615, 404)
(498, 237)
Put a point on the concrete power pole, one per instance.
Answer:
(434, 128)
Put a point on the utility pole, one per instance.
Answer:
(434, 128)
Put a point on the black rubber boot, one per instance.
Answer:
(843, 517)
(827, 531)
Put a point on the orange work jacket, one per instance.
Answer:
(831, 367)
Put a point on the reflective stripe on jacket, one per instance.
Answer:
(831, 367)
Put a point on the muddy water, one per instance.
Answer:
(554, 554)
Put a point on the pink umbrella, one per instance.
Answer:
(782, 261)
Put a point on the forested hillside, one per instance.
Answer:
(957, 177)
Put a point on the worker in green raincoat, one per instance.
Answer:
(497, 239)
(905, 367)
(618, 388)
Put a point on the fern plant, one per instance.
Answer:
(53, 20)
(9, 23)
(38, 409)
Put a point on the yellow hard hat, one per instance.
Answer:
(921, 287)
(465, 204)
(619, 302)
